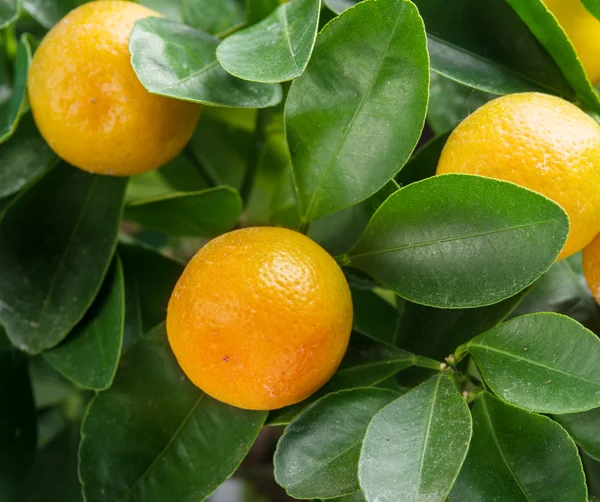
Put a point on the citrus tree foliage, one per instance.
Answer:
(468, 376)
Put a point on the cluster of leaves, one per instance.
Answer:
(440, 396)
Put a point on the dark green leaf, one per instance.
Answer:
(344, 129)
(585, 429)
(548, 31)
(56, 244)
(153, 436)
(593, 6)
(213, 17)
(90, 355)
(451, 102)
(25, 157)
(367, 363)
(17, 425)
(415, 446)
(563, 289)
(424, 162)
(172, 59)
(149, 280)
(373, 316)
(437, 333)
(339, 6)
(256, 10)
(11, 110)
(48, 13)
(276, 49)
(486, 46)
(458, 240)
(9, 12)
(518, 456)
(206, 213)
(546, 363)
(592, 471)
(317, 456)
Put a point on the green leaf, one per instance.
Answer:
(592, 471)
(276, 49)
(48, 13)
(563, 289)
(593, 6)
(90, 354)
(424, 162)
(317, 456)
(206, 213)
(338, 232)
(153, 436)
(518, 456)
(437, 333)
(339, 6)
(172, 59)
(11, 110)
(168, 8)
(149, 280)
(17, 425)
(541, 362)
(366, 364)
(25, 157)
(451, 102)
(50, 388)
(486, 46)
(456, 241)
(548, 31)
(257, 10)
(373, 316)
(221, 144)
(9, 12)
(344, 130)
(415, 446)
(213, 17)
(585, 430)
(56, 243)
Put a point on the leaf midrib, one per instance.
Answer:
(427, 431)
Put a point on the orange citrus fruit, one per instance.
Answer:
(88, 102)
(260, 318)
(591, 267)
(583, 29)
(540, 142)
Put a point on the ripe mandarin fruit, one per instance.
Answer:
(88, 103)
(584, 31)
(540, 142)
(591, 266)
(260, 318)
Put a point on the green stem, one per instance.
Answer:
(256, 147)
(426, 362)
(10, 41)
(207, 177)
(342, 260)
(304, 227)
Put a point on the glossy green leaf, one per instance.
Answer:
(56, 244)
(153, 436)
(9, 12)
(344, 115)
(485, 45)
(585, 430)
(25, 157)
(548, 31)
(518, 456)
(276, 49)
(546, 363)
(338, 232)
(149, 280)
(339, 6)
(459, 241)
(17, 425)
(373, 316)
(451, 102)
(563, 289)
(90, 354)
(175, 60)
(366, 364)
(257, 10)
(317, 456)
(437, 333)
(11, 110)
(213, 17)
(415, 446)
(424, 162)
(593, 6)
(206, 213)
